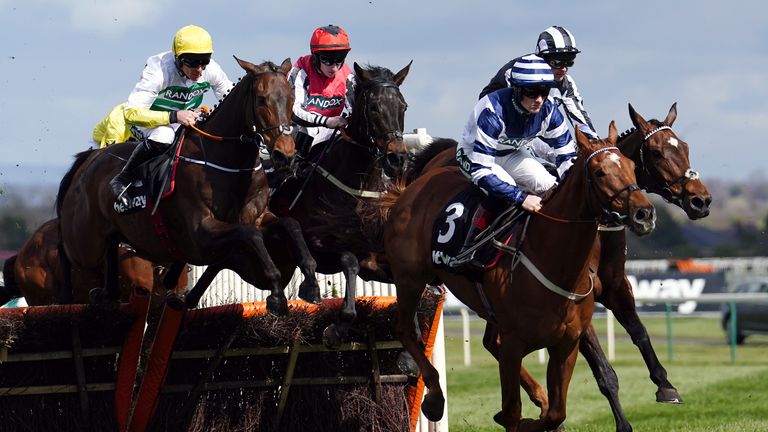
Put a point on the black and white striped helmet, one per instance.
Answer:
(556, 40)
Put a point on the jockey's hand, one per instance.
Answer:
(336, 122)
(187, 117)
(532, 203)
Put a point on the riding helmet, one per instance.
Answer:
(556, 40)
(531, 70)
(329, 38)
(192, 40)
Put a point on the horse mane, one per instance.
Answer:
(422, 158)
(66, 181)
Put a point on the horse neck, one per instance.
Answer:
(571, 242)
(352, 163)
(230, 117)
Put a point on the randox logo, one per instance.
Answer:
(181, 95)
(325, 103)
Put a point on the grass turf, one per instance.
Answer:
(719, 395)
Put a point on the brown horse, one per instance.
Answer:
(219, 205)
(661, 166)
(36, 272)
(356, 166)
(529, 315)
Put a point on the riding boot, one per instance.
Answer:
(141, 153)
(480, 221)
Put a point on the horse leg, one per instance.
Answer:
(309, 289)
(172, 274)
(111, 290)
(408, 296)
(510, 356)
(622, 303)
(605, 376)
(559, 372)
(250, 241)
(65, 294)
(535, 391)
(203, 282)
(335, 333)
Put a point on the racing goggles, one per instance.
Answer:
(560, 62)
(195, 63)
(535, 91)
(330, 61)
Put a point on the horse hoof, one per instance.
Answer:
(668, 395)
(95, 295)
(407, 365)
(331, 337)
(433, 407)
(191, 303)
(310, 294)
(277, 305)
(499, 419)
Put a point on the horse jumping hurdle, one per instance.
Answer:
(94, 367)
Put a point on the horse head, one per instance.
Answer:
(663, 166)
(378, 118)
(271, 104)
(611, 183)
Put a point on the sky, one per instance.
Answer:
(65, 63)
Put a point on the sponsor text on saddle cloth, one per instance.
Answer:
(154, 180)
(450, 230)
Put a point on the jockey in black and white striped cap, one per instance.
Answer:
(557, 45)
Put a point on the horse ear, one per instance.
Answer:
(672, 115)
(581, 140)
(361, 73)
(247, 66)
(613, 135)
(286, 66)
(637, 119)
(400, 76)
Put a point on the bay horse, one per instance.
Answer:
(219, 204)
(36, 273)
(356, 165)
(528, 312)
(662, 166)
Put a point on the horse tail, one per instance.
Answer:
(10, 290)
(66, 181)
(423, 157)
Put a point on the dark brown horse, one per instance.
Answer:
(529, 315)
(661, 166)
(219, 205)
(36, 272)
(355, 166)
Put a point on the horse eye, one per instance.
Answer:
(656, 154)
(599, 173)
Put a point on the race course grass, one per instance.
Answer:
(719, 395)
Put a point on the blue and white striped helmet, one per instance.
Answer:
(531, 70)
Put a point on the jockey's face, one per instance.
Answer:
(193, 73)
(532, 98)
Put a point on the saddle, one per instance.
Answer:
(450, 230)
(154, 179)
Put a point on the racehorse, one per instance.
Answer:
(219, 204)
(356, 165)
(530, 312)
(661, 166)
(36, 273)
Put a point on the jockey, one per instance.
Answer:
(324, 87)
(171, 89)
(557, 47)
(498, 149)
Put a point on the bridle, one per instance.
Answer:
(664, 187)
(611, 215)
(257, 139)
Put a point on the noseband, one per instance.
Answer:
(665, 188)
